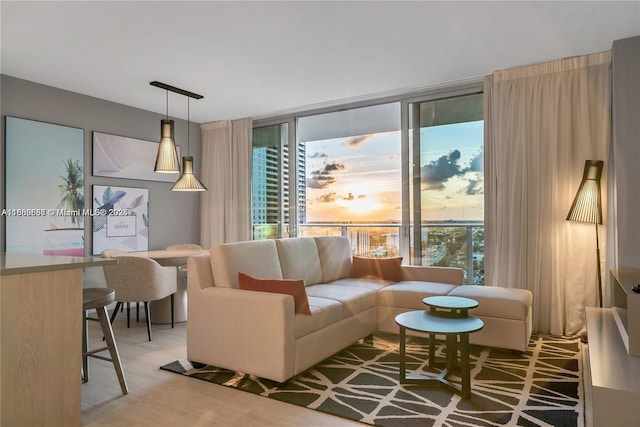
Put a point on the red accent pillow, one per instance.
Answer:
(295, 288)
(380, 268)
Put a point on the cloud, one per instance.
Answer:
(331, 167)
(327, 198)
(475, 187)
(477, 163)
(317, 155)
(476, 182)
(358, 140)
(435, 174)
(320, 181)
(333, 196)
(322, 178)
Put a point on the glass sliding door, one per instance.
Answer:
(447, 207)
(270, 191)
(352, 183)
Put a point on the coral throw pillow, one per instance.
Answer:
(380, 268)
(295, 288)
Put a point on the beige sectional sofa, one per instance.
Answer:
(259, 332)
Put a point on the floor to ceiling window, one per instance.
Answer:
(392, 186)
(447, 148)
(352, 184)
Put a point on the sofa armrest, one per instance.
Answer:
(450, 275)
(241, 330)
(200, 275)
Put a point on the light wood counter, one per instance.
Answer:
(40, 338)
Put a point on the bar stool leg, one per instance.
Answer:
(113, 349)
(172, 310)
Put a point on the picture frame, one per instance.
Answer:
(44, 188)
(123, 157)
(120, 218)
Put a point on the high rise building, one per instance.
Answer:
(302, 183)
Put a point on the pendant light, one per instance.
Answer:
(167, 157)
(188, 180)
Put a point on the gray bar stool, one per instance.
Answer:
(99, 298)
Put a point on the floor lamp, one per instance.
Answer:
(587, 207)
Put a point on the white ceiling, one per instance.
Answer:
(261, 59)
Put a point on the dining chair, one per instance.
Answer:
(138, 279)
(110, 253)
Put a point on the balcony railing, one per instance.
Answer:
(447, 244)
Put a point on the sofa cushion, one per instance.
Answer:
(335, 257)
(494, 301)
(381, 268)
(299, 259)
(362, 283)
(410, 294)
(353, 299)
(295, 288)
(324, 312)
(259, 258)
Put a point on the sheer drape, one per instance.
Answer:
(541, 123)
(225, 212)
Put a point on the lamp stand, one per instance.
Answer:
(600, 293)
(600, 296)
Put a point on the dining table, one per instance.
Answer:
(161, 309)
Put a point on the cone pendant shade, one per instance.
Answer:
(188, 181)
(167, 157)
(587, 204)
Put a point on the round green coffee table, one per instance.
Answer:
(454, 329)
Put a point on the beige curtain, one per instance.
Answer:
(225, 209)
(541, 123)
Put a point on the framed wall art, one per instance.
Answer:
(120, 218)
(44, 188)
(121, 157)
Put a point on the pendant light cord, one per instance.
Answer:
(188, 142)
(167, 105)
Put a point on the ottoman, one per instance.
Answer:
(506, 313)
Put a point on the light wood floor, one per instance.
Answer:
(159, 398)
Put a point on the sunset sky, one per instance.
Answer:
(358, 179)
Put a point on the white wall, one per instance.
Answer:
(626, 150)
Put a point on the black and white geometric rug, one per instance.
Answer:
(541, 387)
